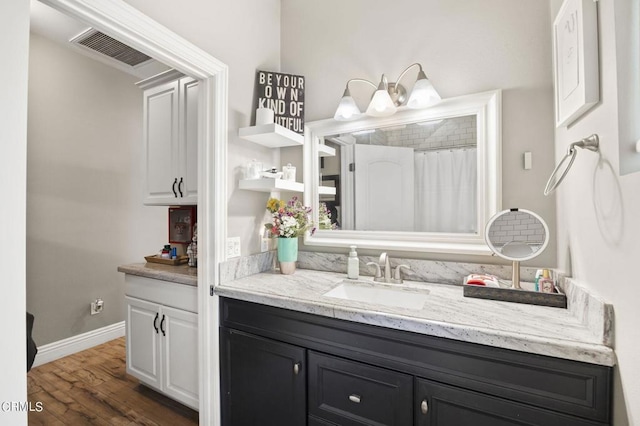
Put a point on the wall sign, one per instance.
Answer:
(575, 55)
(284, 94)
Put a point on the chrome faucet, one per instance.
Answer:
(384, 263)
(385, 277)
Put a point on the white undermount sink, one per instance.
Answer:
(380, 295)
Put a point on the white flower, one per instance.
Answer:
(289, 226)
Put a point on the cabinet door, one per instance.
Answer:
(180, 355)
(160, 135)
(263, 381)
(188, 145)
(143, 341)
(437, 404)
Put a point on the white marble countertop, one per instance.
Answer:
(446, 313)
(180, 274)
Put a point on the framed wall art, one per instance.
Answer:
(575, 58)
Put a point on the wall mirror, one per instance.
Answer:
(419, 180)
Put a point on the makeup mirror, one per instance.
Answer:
(517, 235)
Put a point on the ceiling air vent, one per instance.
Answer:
(98, 42)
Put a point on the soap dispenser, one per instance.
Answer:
(353, 264)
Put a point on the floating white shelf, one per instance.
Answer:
(326, 151)
(270, 185)
(271, 135)
(327, 190)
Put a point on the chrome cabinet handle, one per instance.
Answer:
(424, 407)
(354, 398)
(296, 368)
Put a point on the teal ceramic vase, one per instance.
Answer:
(287, 255)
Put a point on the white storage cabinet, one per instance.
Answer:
(170, 135)
(162, 337)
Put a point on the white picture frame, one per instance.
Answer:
(575, 60)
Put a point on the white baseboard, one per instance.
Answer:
(61, 348)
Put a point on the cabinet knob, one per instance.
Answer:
(296, 368)
(354, 398)
(424, 407)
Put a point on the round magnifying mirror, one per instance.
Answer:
(517, 235)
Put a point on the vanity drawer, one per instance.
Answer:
(352, 393)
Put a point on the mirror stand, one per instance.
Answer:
(515, 276)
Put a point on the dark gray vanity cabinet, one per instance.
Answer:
(263, 381)
(358, 374)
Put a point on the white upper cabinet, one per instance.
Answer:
(170, 136)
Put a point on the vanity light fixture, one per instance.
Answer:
(388, 97)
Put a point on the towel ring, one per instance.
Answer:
(592, 143)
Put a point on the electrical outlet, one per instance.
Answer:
(264, 244)
(233, 247)
(97, 306)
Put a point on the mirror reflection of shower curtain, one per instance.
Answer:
(446, 190)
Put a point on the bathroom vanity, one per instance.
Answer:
(293, 355)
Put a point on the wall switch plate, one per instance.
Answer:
(233, 247)
(528, 160)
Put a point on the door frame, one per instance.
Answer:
(132, 27)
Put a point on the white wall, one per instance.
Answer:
(84, 190)
(245, 35)
(598, 211)
(465, 47)
(14, 21)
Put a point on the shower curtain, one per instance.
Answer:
(446, 182)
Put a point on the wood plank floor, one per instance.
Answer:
(92, 388)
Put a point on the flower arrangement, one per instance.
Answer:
(324, 218)
(290, 219)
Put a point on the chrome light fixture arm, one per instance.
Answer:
(361, 80)
(406, 70)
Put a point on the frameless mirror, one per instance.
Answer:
(423, 180)
(517, 235)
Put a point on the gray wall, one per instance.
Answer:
(84, 190)
(598, 211)
(465, 47)
(245, 35)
